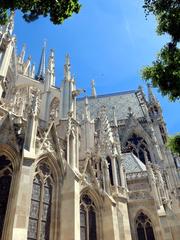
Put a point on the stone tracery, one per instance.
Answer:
(40, 213)
(87, 218)
(138, 146)
(144, 227)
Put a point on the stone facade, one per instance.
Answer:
(72, 168)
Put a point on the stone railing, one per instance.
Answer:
(137, 175)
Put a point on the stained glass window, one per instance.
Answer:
(138, 146)
(87, 218)
(40, 213)
(5, 184)
(144, 227)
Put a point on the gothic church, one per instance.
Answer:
(81, 168)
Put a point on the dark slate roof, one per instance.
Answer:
(132, 163)
(120, 100)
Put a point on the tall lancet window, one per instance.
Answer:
(6, 170)
(40, 212)
(138, 146)
(87, 218)
(144, 227)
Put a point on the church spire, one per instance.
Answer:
(27, 66)
(42, 65)
(93, 89)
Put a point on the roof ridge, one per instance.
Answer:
(108, 94)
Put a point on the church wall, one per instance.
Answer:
(159, 219)
(70, 207)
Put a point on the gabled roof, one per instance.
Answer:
(132, 163)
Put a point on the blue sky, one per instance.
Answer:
(109, 41)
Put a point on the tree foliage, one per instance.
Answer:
(174, 143)
(56, 10)
(165, 71)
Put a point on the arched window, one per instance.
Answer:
(87, 218)
(138, 146)
(6, 170)
(144, 227)
(40, 212)
(54, 109)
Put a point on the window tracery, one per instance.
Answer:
(87, 218)
(6, 171)
(138, 146)
(54, 109)
(144, 227)
(40, 212)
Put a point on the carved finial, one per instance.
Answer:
(42, 65)
(26, 66)
(10, 24)
(33, 71)
(67, 59)
(22, 54)
(51, 69)
(93, 89)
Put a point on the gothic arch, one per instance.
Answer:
(144, 225)
(138, 130)
(53, 163)
(47, 178)
(9, 174)
(147, 143)
(98, 203)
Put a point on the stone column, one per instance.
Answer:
(122, 173)
(70, 207)
(22, 209)
(106, 178)
(114, 171)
